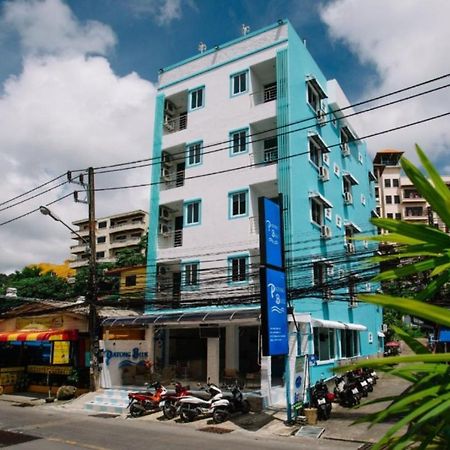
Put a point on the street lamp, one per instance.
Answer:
(91, 293)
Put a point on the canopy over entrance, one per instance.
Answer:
(47, 335)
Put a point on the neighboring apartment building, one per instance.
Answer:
(256, 117)
(397, 198)
(113, 233)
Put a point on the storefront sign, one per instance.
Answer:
(61, 352)
(299, 379)
(271, 233)
(40, 323)
(135, 353)
(274, 312)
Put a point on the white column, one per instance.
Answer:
(213, 359)
(232, 347)
(150, 344)
(266, 379)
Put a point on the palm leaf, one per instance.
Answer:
(433, 286)
(412, 343)
(410, 306)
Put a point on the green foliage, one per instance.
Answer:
(424, 409)
(106, 284)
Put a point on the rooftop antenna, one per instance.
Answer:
(245, 29)
(202, 47)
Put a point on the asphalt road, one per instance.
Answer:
(51, 428)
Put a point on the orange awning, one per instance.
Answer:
(48, 335)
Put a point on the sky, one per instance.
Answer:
(78, 81)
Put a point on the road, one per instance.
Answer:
(51, 428)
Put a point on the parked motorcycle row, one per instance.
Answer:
(348, 391)
(208, 401)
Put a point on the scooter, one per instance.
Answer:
(142, 402)
(321, 399)
(346, 393)
(360, 382)
(237, 401)
(169, 404)
(191, 407)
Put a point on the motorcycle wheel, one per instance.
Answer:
(186, 414)
(324, 413)
(136, 410)
(169, 410)
(370, 387)
(220, 415)
(245, 407)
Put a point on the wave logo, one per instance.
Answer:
(275, 297)
(273, 233)
(128, 363)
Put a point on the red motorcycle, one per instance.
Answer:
(168, 404)
(142, 402)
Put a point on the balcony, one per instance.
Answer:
(125, 242)
(138, 224)
(175, 123)
(79, 248)
(267, 94)
(175, 115)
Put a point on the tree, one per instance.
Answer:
(134, 256)
(425, 407)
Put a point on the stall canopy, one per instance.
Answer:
(336, 324)
(47, 335)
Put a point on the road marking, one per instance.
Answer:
(79, 444)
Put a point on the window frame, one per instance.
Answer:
(188, 147)
(316, 143)
(133, 278)
(331, 353)
(191, 97)
(193, 274)
(231, 135)
(186, 212)
(355, 349)
(319, 204)
(231, 196)
(233, 76)
(241, 257)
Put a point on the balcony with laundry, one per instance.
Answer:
(175, 113)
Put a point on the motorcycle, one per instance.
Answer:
(360, 382)
(346, 393)
(321, 399)
(142, 402)
(191, 407)
(237, 401)
(169, 404)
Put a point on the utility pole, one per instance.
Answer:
(92, 285)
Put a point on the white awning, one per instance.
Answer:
(322, 323)
(350, 177)
(380, 334)
(326, 203)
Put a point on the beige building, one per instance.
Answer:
(396, 196)
(113, 233)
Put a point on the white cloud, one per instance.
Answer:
(67, 110)
(405, 42)
(50, 26)
(162, 11)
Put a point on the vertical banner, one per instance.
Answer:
(274, 324)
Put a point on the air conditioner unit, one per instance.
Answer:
(164, 229)
(350, 247)
(325, 232)
(348, 198)
(324, 173)
(164, 213)
(165, 173)
(345, 149)
(321, 116)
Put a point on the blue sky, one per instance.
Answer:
(77, 87)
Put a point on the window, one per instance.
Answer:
(191, 272)
(377, 192)
(389, 199)
(347, 184)
(192, 212)
(315, 94)
(398, 216)
(194, 154)
(387, 183)
(238, 204)
(397, 199)
(102, 224)
(317, 212)
(238, 142)
(349, 343)
(395, 182)
(238, 268)
(324, 343)
(390, 215)
(320, 273)
(130, 280)
(100, 255)
(413, 211)
(239, 83)
(351, 291)
(316, 149)
(197, 98)
(101, 239)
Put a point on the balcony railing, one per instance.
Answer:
(271, 155)
(173, 179)
(175, 124)
(268, 94)
(139, 224)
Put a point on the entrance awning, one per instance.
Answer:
(169, 318)
(322, 323)
(47, 335)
